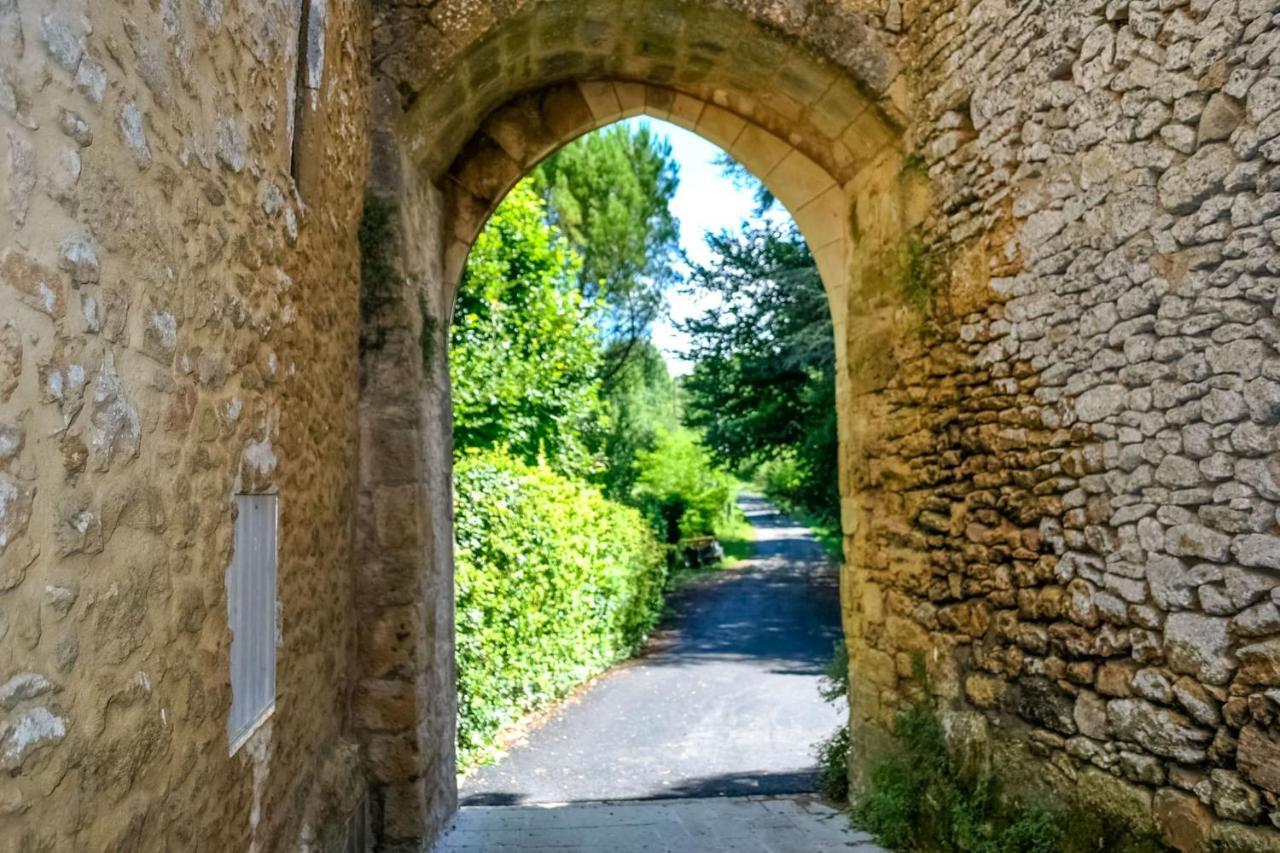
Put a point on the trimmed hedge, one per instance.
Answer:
(554, 584)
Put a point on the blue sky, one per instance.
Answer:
(705, 201)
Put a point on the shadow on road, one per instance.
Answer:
(723, 785)
(781, 608)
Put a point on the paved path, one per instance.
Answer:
(671, 751)
(796, 824)
(724, 701)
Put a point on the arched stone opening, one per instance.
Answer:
(461, 116)
(518, 135)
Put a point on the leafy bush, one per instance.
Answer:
(833, 753)
(833, 766)
(554, 584)
(920, 798)
(781, 477)
(680, 488)
(835, 679)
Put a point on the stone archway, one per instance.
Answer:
(467, 102)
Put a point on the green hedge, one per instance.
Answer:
(554, 584)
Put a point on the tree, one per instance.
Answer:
(609, 193)
(525, 351)
(763, 385)
(641, 400)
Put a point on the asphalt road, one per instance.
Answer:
(724, 701)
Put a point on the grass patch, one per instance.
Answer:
(737, 537)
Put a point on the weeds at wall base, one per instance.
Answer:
(918, 797)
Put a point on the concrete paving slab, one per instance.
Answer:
(789, 824)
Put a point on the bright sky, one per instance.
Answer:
(705, 201)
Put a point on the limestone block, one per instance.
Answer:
(1161, 731)
(1195, 540)
(1258, 757)
(1185, 186)
(1222, 114)
(1233, 798)
(1185, 823)
(1199, 645)
(1260, 663)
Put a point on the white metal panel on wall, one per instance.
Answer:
(251, 615)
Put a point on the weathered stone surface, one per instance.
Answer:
(984, 691)
(134, 134)
(232, 144)
(1196, 540)
(1199, 704)
(10, 360)
(1100, 403)
(22, 687)
(1042, 702)
(1257, 550)
(1199, 645)
(21, 177)
(1184, 822)
(1260, 663)
(31, 731)
(1115, 677)
(1222, 114)
(1233, 798)
(35, 285)
(1258, 757)
(1185, 186)
(1159, 730)
(1231, 837)
(1090, 716)
(16, 501)
(1260, 620)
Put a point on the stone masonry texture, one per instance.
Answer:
(1050, 235)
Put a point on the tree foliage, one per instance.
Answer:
(763, 388)
(641, 399)
(524, 348)
(609, 193)
(680, 488)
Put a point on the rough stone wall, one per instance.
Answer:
(177, 325)
(405, 710)
(1067, 502)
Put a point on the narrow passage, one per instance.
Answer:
(723, 706)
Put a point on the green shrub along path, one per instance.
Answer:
(725, 699)
(554, 583)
